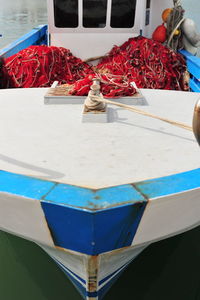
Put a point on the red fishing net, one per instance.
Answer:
(112, 86)
(40, 66)
(146, 62)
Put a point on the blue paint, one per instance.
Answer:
(24, 186)
(68, 270)
(92, 294)
(193, 67)
(95, 232)
(170, 184)
(106, 287)
(112, 274)
(93, 199)
(37, 36)
(93, 222)
(81, 289)
(70, 228)
(78, 286)
(118, 195)
(115, 228)
(194, 85)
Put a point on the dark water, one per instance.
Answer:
(167, 270)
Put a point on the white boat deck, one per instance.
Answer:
(51, 142)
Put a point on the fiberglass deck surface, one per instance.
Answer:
(51, 142)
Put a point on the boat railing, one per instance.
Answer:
(36, 36)
(193, 66)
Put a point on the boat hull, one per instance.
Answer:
(94, 245)
(93, 275)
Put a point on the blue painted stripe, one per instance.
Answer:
(36, 36)
(24, 186)
(193, 67)
(94, 199)
(195, 84)
(170, 184)
(111, 215)
(92, 294)
(80, 229)
(81, 289)
(106, 287)
(77, 197)
(115, 272)
(193, 63)
(67, 269)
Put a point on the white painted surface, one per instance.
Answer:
(109, 262)
(112, 261)
(157, 8)
(134, 100)
(51, 142)
(95, 44)
(74, 261)
(95, 117)
(99, 41)
(107, 29)
(25, 218)
(169, 215)
(93, 41)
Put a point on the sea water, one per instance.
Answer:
(17, 17)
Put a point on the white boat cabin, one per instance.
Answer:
(91, 27)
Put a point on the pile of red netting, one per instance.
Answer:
(112, 86)
(146, 62)
(40, 66)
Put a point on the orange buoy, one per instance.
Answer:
(160, 34)
(166, 13)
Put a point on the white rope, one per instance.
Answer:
(92, 102)
(174, 30)
(142, 112)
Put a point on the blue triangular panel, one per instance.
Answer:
(93, 232)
